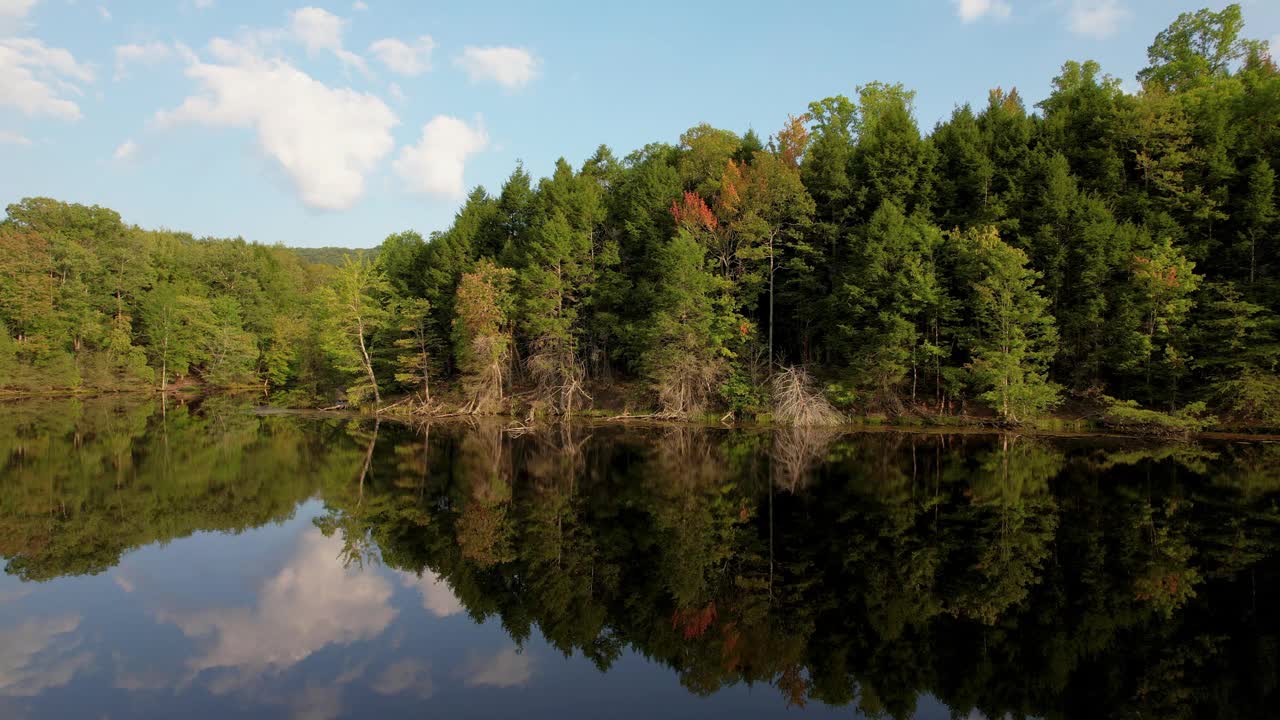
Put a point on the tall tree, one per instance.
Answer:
(1016, 336)
(355, 300)
(482, 336)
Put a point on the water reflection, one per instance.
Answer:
(311, 603)
(223, 562)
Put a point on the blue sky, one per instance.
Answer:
(339, 123)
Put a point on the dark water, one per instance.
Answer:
(211, 563)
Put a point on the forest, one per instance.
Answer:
(1102, 253)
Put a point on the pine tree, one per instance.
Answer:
(1016, 337)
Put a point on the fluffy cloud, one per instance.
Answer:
(127, 150)
(437, 597)
(359, 5)
(508, 66)
(403, 676)
(1096, 18)
(436, 164)
(326, 139)
(35, 78)
(40, 654)
(104, 13)
(12, 138)
(506, 669)
(402, 58)
(313, 602)
(145, 54)
(972, 10)
(320, 30)
(15, 9)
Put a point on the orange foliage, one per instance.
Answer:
(793, 685)
(793, 138)
(693, 623)
(1167, 277)
(693, 213)
(730, 197)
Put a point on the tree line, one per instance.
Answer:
(1104, 248)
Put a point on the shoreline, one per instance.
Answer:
(1059, 427)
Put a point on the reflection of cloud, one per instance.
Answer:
(403, 675)
(313, 602)
(437, 596)
(40, 654)
(8, 596)
(123, 583)
(506, 669)
(318, 703)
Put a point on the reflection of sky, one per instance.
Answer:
(268, 623)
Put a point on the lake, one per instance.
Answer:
(210, 561)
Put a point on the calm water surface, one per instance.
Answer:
(209, 562)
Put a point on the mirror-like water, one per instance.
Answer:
(208, 562)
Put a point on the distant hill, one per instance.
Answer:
(331, 255)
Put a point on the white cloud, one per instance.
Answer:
(973, 10)
(506, 669)
(396, 92)
(203, 4)
(318, 30)
(146, 54)
(40, 654)
(105, 13)
(404, 675)
(436, 164)
(1096, 18)
(437, 596)
(326, 139)
(403, 58)
(313, 602)
(359, 5)
(12, 138)
(127, 150)
(35, 78)
(508, 66)
(15, 9)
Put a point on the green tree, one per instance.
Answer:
(557, 273)
(354, 301)
(1016, 336)
(174, 324)
(414, 359)
(1198, 47)
(685, 336)
(1259, 214)
(888, 302)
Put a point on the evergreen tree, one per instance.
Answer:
(1016, 337)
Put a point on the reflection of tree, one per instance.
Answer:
(1004, 575)
(85, 481)
(484, 529)
(1005, 529)
(796, 451)
(998, 573)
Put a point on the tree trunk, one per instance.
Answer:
(426, 377)
(771, 273)
(368, 364)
